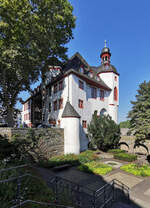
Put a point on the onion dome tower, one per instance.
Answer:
(105, 55)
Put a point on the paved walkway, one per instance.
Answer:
(139, 186)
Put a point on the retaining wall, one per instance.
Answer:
(50, 142)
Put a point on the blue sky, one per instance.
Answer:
(126, 27)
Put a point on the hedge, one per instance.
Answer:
(116, 151)
(125, 157)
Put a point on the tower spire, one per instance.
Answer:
(105, 54)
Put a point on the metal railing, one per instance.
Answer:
(84, 197)
(19, 198)
(75, 194)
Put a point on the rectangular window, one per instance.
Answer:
(60, 103)
(28, 105)
(102, 95)
(60, 85)
(55, 105)
(93, 92)
(84, 124)
(55, 88)
(81, 85)
(27, 116)
(80, 103)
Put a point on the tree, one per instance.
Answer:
(125, 124)
(140, 113)
(104, 132)
(32, 35)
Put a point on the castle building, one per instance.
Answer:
(87, 89)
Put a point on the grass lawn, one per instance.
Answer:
(95, 167)
(137, 170)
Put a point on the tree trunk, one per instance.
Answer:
(9, 118)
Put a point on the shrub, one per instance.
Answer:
(71, 159)
(103, 132)
(143, 170)
(60, 160)
(116, 151)
(88, 156)
(125, 157)
(95, 167)
(6, 148)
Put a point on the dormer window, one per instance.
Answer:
(81, 70)
(91, 74)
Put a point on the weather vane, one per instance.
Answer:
(105, 43)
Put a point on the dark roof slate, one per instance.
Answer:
(103, 68)
(69, 111)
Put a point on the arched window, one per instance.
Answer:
(115, 94)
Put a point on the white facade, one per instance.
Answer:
(26, 114)
(89, 104)
(88, 89)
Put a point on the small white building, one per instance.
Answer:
(87, 89)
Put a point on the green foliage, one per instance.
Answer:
(140, 113)
(87, 156)
(35, 189)
(20, 150)
(143, 170)
(125, 124)
(6, 148)
(95, 167)
(125, 157)
(103, 132)
(71, 159)
(33, 35)
(60, 160)
(116, 151)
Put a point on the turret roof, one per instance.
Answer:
(69, 111)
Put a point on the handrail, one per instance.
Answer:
(108, 184)
(80, 186)
(54, 180)
(42, 203)
(16, 167)
(18, 177)
(121, 183)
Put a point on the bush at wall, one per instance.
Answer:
(103, 132)
(125, 157)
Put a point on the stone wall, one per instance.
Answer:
(130, 140)
(50, 142)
